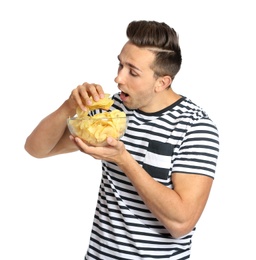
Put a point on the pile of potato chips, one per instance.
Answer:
(95, 129)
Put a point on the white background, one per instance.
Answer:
(49, 47)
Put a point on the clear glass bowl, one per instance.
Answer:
(94, 131)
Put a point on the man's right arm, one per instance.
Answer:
(51, 135)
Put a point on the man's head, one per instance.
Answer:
(148, 63)
(161, 40)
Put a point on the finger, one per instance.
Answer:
(96, 91)
(83, 147)
(85, 93)
(76, 98)
(72, 138)
(87, 149)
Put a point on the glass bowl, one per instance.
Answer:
(96, 129)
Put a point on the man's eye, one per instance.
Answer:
(133, 73)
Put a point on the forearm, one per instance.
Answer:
(158, 198)
(172, 209)
(50, 136)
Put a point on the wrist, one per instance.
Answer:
(68, 108)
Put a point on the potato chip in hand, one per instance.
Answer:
(103, 103)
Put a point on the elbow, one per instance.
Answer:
(178, 230)
(32, 151)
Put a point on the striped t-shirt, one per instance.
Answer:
(179, 138)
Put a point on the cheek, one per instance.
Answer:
(142, 96)
(142, 86)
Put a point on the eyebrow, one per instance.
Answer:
(129, 64)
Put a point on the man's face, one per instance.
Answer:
(135, 78)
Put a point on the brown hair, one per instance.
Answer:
(160, 39)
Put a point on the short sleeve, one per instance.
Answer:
(199, 150)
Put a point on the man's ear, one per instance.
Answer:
(163, 83)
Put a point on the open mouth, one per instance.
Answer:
(123, 96)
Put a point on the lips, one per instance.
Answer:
(123, 96)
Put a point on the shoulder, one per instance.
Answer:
(192, 114)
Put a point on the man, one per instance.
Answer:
(155, 180)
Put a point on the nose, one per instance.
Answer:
(119, 79)
(116, 79)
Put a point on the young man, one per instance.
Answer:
(156, 180)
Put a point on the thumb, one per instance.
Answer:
(111, 141)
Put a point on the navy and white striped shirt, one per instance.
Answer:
(179, 138)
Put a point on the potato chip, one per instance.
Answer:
(104, 103)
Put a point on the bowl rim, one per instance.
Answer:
(92, 118)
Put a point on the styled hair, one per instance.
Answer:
(161, 40)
